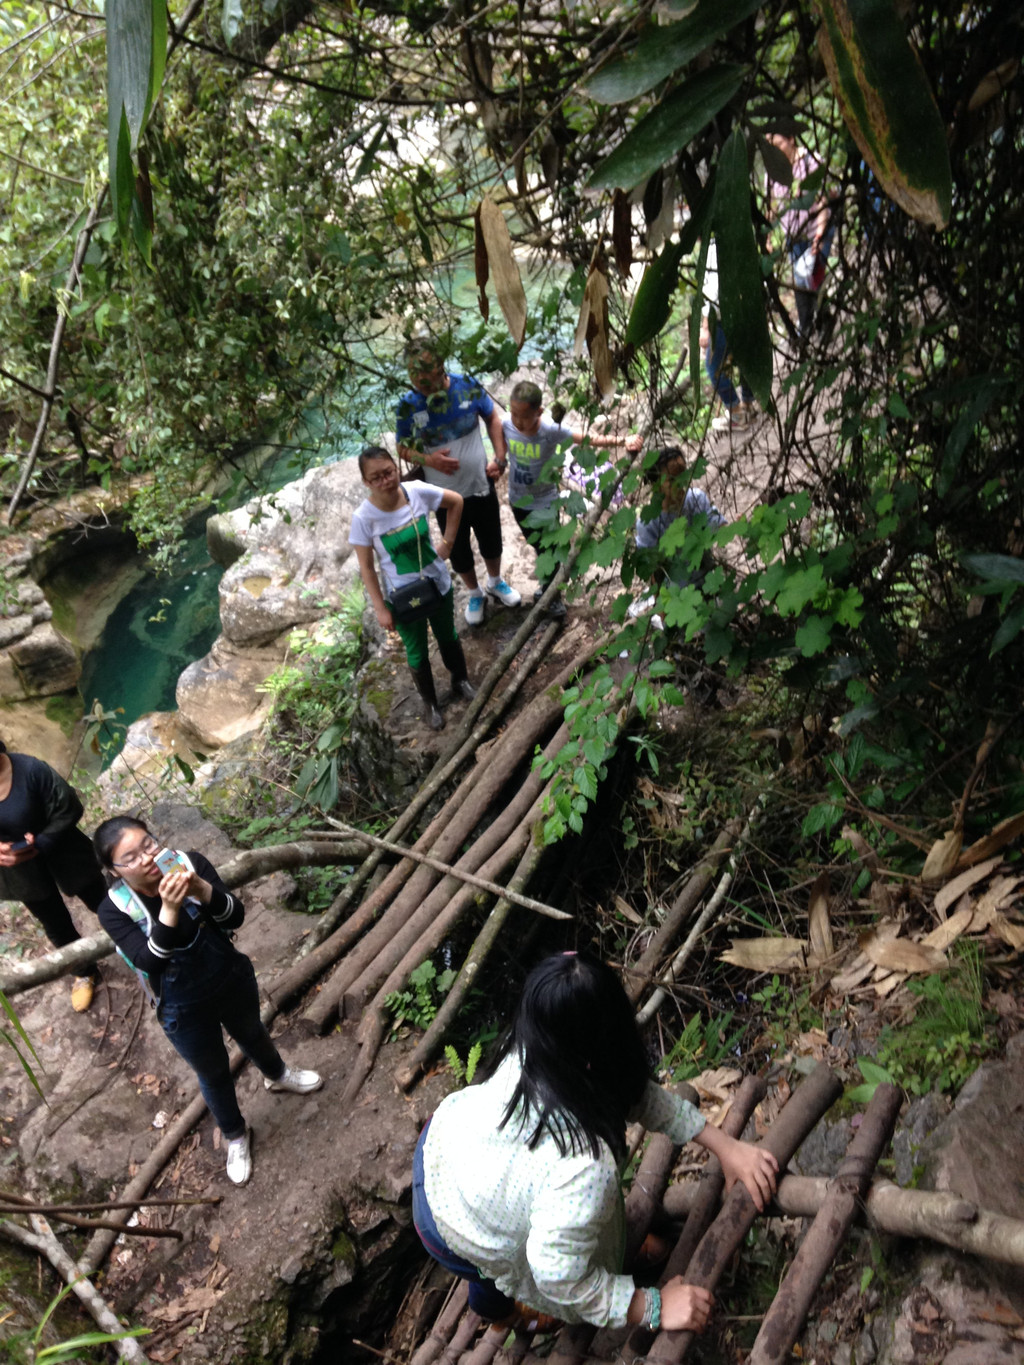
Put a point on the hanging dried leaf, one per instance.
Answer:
(953, 890)
(627, 912)
(951, 929)
(508, 283)
(622, 231)
(480, 263)
(592, 329)
(1001, 835)
(888, 104)
(519, 165)
(550, 161)
(942, 857)
(862, 848)
(819, 927)
(901, 955)
(767, 954)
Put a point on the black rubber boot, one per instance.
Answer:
(455, 661)
(425, 687)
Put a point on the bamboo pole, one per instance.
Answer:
(806, 1106)
(789, 1309)
(444, 1325)
(453, 870)
(444, 770)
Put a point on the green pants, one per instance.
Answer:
(441, 622)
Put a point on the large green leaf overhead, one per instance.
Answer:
(888, 104)
(667, 128)
(136, 52)
(740, 282)
(665, 48)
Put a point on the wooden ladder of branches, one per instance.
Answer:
(712, 1234)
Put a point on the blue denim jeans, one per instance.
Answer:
(206, 989)
(485, 1298)
(714, 361)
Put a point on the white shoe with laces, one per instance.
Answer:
(296, 1081)
(239, 1163)
(500, 591)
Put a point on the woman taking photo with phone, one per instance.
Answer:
(44, 853)
(417, 585)
(170, 915)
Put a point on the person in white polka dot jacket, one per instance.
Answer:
(516, 1181)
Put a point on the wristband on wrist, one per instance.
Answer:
(652, 1309)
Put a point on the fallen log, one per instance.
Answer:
(420, 900)
(423, 1053)
(935, 1214)
(789, 1308)
(44, 1243)
(444, 1325)
(243, 868)
(373, 1027)
(637, 977)
(806, 1106)
(443, 771)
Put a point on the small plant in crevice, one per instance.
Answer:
(702, 1045)
(419, 1002)
(464, 1071)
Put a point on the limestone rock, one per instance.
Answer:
(45, 662)
(223, 540)
(217, 696)
(261, 597)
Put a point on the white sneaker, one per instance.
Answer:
(296, 1081)
(503, 592)
(734, 419)
(475, 609)
(239, 1163)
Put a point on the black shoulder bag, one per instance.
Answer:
(420, 598)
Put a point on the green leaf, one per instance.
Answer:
(664, 48)
(741, 285)
(653, 302)
(231, 19)
(874, 1072)
(998, 568)
(667, 128)
(1009, 629)
(813, 637)
(186, 771)
(122, 181)
(136, 52)
(370, 155)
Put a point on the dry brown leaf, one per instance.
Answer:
(197, 1300)
(993, 898)
(622, 232)
(627, 912)
(1010, 933)
(953, 890)
(717, 1084)
(508, 283)
(942, 857)
(480, 265)
(812, 1043)
(853, 975)
(890, 981)
(880, 897)
(1000, 836)
(951, 929)
(767, 954)
(592, 329)
(819, 926)
(903, 955)
(861, 847)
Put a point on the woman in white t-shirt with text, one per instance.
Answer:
(393, 521)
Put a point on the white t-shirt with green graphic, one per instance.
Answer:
(402, 538)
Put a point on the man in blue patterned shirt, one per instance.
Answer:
(438, 429)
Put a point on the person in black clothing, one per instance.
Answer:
(43, 852)
(172, 926)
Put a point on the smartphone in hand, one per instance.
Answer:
(19, 845)
(168, 860)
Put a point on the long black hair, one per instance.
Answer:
(583, 1061)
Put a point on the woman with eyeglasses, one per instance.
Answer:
(393, 520)
(44, 853)
(170, 917)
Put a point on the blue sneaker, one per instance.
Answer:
(503, 593)
(475, 609)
